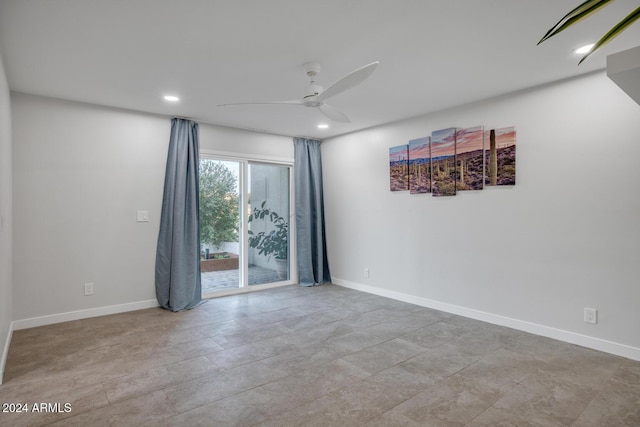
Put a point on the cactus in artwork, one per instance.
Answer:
(493, 158)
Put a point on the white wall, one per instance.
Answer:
(567, 236)
(238, 142)
(6, 271)
(80, 174)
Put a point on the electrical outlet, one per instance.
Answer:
(88, 288)
(366, 272)
(590, 315)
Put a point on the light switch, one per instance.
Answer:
(143, 216)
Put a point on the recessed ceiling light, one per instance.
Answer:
(584, 49)
(171, 98)
(323, 126)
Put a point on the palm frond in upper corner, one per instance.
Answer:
(584, 10)
(614, 32)
(581, 12)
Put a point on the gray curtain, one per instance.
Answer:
(178, 254)
(313, 265)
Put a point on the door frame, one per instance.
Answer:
(244, 160)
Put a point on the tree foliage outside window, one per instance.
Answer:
(219, 204)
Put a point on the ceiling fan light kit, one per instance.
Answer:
(315, 94)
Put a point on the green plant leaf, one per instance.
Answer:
(581, 12)
(614, 32)
(272, 242)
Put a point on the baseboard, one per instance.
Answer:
(82, 314)
(5, 352)
(534, 328)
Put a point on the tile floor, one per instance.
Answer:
(324, 356)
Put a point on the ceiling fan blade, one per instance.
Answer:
(347, 82)
(334, 114)
(293, 102)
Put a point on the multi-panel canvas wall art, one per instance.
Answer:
(420, 165)
(443, 162)
(454, 160)
(470, 158)
(500, 156)
(399, 168)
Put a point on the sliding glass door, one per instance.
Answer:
(269, 221)
(245, 217)
(219, 225)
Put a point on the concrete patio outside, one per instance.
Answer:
(229, 279)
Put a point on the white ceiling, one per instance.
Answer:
(434, 54)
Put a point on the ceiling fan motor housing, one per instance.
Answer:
(312, 89)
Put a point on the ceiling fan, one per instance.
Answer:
(315, 95)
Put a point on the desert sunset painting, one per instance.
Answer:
(443, 162)
(470, 158)
(500, 156)
(399, 168)
(420, 165)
